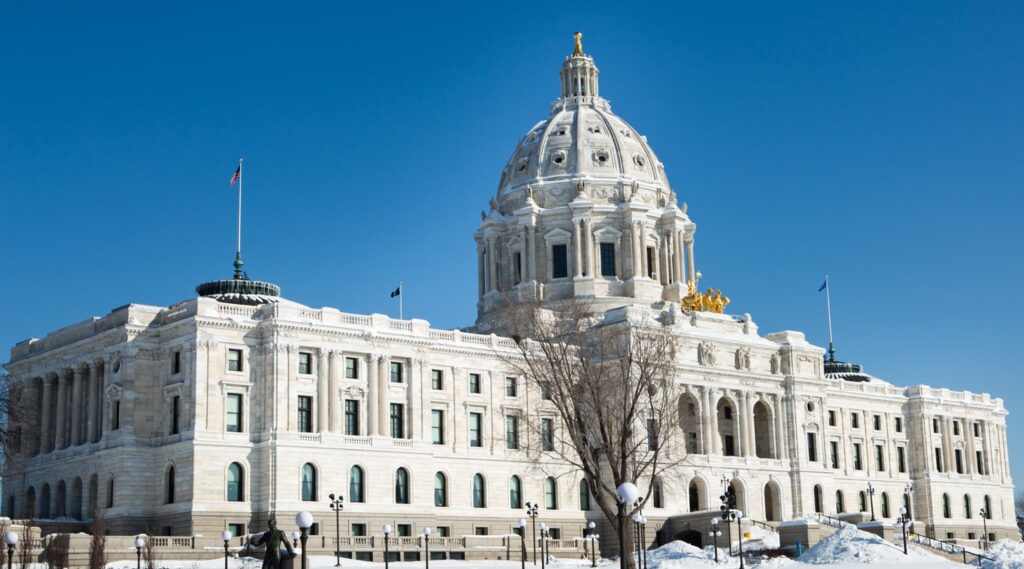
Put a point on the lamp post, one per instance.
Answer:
(637, 518)
(304, 520)
(643, 537)
(139, 544)
(627, 494)
(426, 544)
(984, 525)
(592, 535)
(226, 536)
(336, 503)
(871, 499)
(387, 533)
(730, 513)
(715, 534)
(532, 510)
(522, 542)
(11, 539)
(295, 539)
(902, 522)
(907, 496)
(543, 552)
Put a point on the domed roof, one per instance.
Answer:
(581, 140)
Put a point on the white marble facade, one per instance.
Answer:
(204, 415)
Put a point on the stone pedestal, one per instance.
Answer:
(879, 528)
(806, 532)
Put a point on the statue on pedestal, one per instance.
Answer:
(273, 538)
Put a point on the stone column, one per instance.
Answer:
(47, 415)
(372, 423)
(644, 268)
(383, 400)
(414, 411)
(968, 431)
(531, 264)
(77, 379)
(705, 420)
(716, 439)
(680, 264)
(777, 439)
(747, 423)
(947, 444)
(634, 238)
(480, 272)
(589, 240)
(59, 440)
(577, 249)
(689, 258)
(334, 408)
(492, 265)
(94, 392)
(321, 390)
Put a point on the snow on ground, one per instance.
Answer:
(848, 545)
(1007, 555)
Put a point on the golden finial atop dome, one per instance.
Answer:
(578, 51)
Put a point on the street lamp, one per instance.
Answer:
(984, 525)
(387, 533)
(532, 510)
(643, 536)
(295, 539)
(522, 542)
(139, 544)
(304, 520)
(730, 513)
(715, 534)
(226, 536)
(902, 522)
(543, 539)
(592, 535)
(627, 494)
(337, 505)
(637, 520)
(11, 539)
(871, 499)
(426, 544)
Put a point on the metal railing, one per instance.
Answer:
(950, 548)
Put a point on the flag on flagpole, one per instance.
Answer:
(396, 292)
(237, 176)
(823, 286)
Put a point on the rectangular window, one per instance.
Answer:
(855, 420)
(396, 372)
(234, 413)
(517, 267)
(545, 391)
(437, 427)
(397, 421)
(878, 422)
(879, 459)
(607, 259)
(831, 418)
(444, 531)
(236, 530)
(977, 429)
(511, 387)
(476, 425)
(730, 446)
(436, 379)
(176, 363)
(474, 383)
(404, 530)
(555, 533)
(651, 264)
(511, 432)
(812, 447)
(833, 447)
(857, 464)
(305, 363)
(559, 261)
(938, 459)
(305, 414)
(175, 414)
(547, 434)
(351, 368)
(352, 417)
(652, 435)
(958, 456)
(480, 530)
(115, 419)
(358, 530)
(901, 459)
(234, 360)
(935, 426)
(978, 457)
(956, 428)
(899, 424)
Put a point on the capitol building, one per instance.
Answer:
(238, 403)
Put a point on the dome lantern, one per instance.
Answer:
(579, 76)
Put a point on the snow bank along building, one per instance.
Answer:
(211, 413)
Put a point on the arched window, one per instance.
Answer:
(906, 504)
(110, 492)
(355, 485)
(515, 493)
(819, 500)
(479, 491)
(236, 483)
(656, 495)
(862, 501)
(885, 504)
(309, 489)
(440, 490)
(947, 511)
(967, 506)
(988, 507)
(550, 494)
(169, 486)
(584, 495)
(401, 486)
(44, 502)
(28, 508)
(840, 506)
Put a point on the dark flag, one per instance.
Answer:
(396, 292)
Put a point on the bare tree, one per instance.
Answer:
(98, 541)
(11, 417)
(610, 384)
(24, 555)
(1019, 504)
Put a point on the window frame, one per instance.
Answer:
(240, 398)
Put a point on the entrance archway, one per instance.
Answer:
(772, 502)
(693, 537)
(763, 431)
(726, 410)
(689, 422)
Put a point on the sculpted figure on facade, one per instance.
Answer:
(743, 358)
(706, 354)
(776, 363)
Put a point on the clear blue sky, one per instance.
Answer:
(882, 144)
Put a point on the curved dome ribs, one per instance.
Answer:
(583, 211)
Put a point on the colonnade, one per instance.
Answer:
(69, 407)
(744, 421)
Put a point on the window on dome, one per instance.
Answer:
(559, 261)
(607, 259)
(651, 265)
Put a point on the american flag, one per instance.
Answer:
(237, 176)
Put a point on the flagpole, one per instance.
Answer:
(238, 247)
(828, 303)
(401, 301)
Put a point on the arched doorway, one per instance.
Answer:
(76, 499)
(693, 537)
(726, 410)
(763, 431)
(819, 500)
(689, 422)
(741, 494)
(772, 502)
(695, 493)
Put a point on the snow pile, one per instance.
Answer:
(679, 554)
(850, 545)
(760, 538)
(1006, 554)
